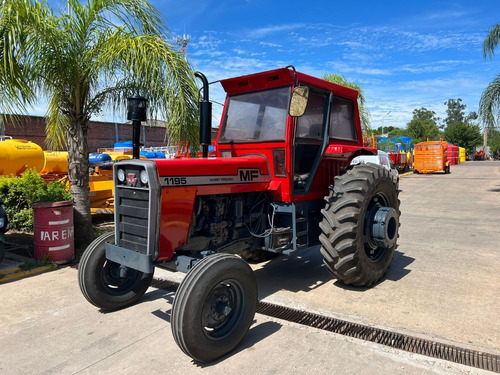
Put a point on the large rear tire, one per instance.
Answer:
(100, 280)
(214, 307)
(360, 225)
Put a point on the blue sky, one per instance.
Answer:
(406, 55)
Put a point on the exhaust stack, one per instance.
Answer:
(205, 116)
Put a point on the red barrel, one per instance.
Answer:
(54, 231)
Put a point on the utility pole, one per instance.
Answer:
(383, 119)
(485, 140)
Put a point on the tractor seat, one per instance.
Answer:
(300, 180)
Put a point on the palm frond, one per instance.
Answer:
(16, 93)
(364, 114)
(57, 125)
(489, 105)
(491, 42)
(149, 66)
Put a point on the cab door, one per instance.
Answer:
(309, 141)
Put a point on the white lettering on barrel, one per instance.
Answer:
(55, 235)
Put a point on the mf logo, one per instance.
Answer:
(249, 174)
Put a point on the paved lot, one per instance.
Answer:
(444, 280)
(443, 284)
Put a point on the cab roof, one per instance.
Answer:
(279, 78)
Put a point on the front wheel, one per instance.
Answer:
(360, 225)
(104, 283)
(214, 307)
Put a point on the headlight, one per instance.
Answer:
(144, 177)
(2, 222)
(121, 175)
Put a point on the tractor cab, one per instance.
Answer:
(290, 118)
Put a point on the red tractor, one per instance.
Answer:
(281, 182)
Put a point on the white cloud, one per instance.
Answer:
(272, 45)
(266, 31)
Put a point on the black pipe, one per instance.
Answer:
(136, 136)
(205, 116)
(136, 112)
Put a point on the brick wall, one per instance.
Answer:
(100, 135)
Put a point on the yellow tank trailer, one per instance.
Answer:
(16, 155)
(55, 162)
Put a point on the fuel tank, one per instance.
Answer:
(16, 155)
(55, 162)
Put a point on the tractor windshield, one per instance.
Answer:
(256, 116)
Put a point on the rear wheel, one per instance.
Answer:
(103, 282)
(360, 225)
(214, 307)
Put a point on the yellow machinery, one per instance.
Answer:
(55, 162)
(462, 154)
(101, 192)
(16, 155)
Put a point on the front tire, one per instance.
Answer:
(214, 307)
(360, 225)
(100, 280)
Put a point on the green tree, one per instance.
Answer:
(97, 55)
(460, 128)
(489, 105)
(456, 112)
(364, 114)
(423, 125)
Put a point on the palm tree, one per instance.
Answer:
(364, 114)
(96, 55)
(490, 99)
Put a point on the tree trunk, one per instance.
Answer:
(485, 147)
(78, 174)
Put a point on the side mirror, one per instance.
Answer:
(298, 102)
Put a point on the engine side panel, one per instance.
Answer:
(182, 180)
(176, 212)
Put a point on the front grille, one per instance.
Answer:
(137, 206)
(133, 213)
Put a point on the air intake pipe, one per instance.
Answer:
(205, 116)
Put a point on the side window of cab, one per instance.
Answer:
(342, 123)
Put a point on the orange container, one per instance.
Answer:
(430, 157)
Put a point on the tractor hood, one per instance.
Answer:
(247, 170)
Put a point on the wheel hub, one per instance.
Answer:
(221, 308)
(384, 227)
